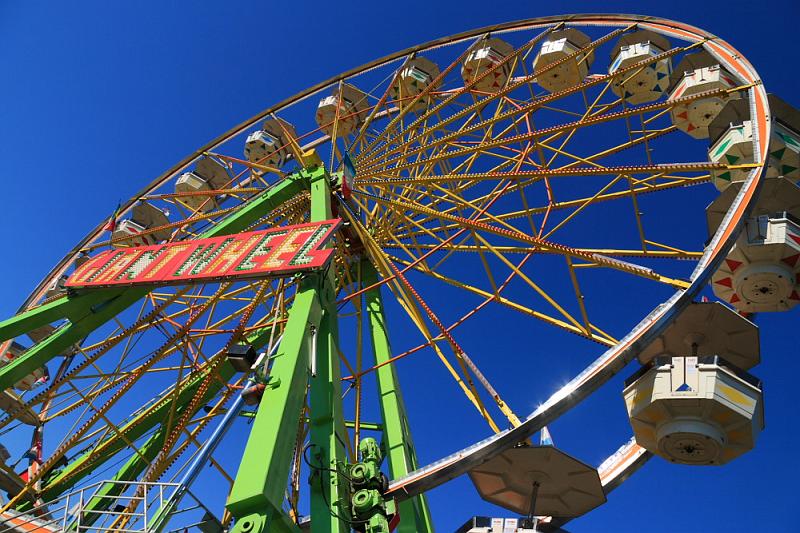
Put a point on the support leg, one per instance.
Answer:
(329, 492)
(414, 513)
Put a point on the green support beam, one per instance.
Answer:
(256, 496)
(58, 309)
(414, 513)
(258, 491)
(86, 315)
(330, 492)
(90, 310)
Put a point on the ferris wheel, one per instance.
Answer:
(224, 352)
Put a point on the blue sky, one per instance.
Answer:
(99, 99)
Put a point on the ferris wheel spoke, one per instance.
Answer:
(533, 285)
(97, 414)
(499, 189)
(449, 250)
(410, 302)
(109, 423)
(103, 348)
(193, 439)
(160, 463)
(594, 259)
(367, 165)
(466, 363)
(516, 272)
(501, 93)
(542, 136)
(666, 252)
(374, 113)
(395, 124)
(645, 186)
(139, 494)
(335, 133)
(488, 298)
(567, 326)
(579, 297)
(153, 413)
(460, 354)
(450, 98)
(523, 183)
(100, 387)
(570, 170)
(463, 380)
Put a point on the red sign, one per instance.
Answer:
(256, 254)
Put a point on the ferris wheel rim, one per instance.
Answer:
(446, 468)
(618, 356)
(660, 25)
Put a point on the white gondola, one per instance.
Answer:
(138, 230)
(484, 56)
(11, 350)
(191, 182)
(270, 145)
(649, 82)
(486, 524)
(208, 174)
(695, 411)
(731, 142)
(695, 74)
(346, 110)
(761, 273)
(129, 233)
(57, 287)
(693, 404)
(559, 46)
(417, 74)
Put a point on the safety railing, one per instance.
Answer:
(119, 506)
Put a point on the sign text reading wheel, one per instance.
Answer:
(255, 254)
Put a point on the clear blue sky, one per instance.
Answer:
(100, 97)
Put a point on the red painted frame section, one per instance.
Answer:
(256, 254)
